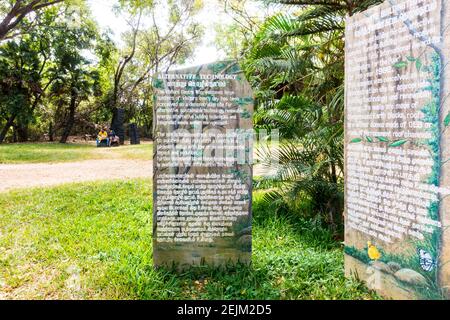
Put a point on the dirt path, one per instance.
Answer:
(16, 176)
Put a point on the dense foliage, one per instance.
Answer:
(296, 63)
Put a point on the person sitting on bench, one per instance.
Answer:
(111, 137)
(102, 136)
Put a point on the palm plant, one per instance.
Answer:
(296, 64)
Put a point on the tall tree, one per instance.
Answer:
(26, 60)
(16, 11)
(19, 83)
(150, 47)
(49, 53)
(76, 77)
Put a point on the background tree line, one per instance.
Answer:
(60, 75)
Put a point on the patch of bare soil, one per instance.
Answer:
(17, 176)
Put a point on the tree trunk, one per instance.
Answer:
(22, 132)
(333, 173)
(120, 70)
(14, 134)
(70, 119)
(114, 119)
(8, 125)
(50, 132)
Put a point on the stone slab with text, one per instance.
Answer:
(203, 149)
(397, 210)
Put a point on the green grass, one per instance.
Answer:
(56, 152)
(94, 241)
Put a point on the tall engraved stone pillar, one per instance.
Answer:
(203, 144)
(397, 149)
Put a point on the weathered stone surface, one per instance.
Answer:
(245, 242)
(379, 265)
(245, 231)
(203, 147)
(394, 266)
(411, 277)
(396, 144)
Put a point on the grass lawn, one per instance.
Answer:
(56, 152)
(92, 241)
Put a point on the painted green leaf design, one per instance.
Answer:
(217, 67)
(383, 139)
(234, 69)
(356, 140)
(411, 58)
(398, 143)
(244, 101)
(158, 84)
(447, 120)
(369, 139)
(198, 154)
(419, 65)
(246, 115)
(401, 64)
